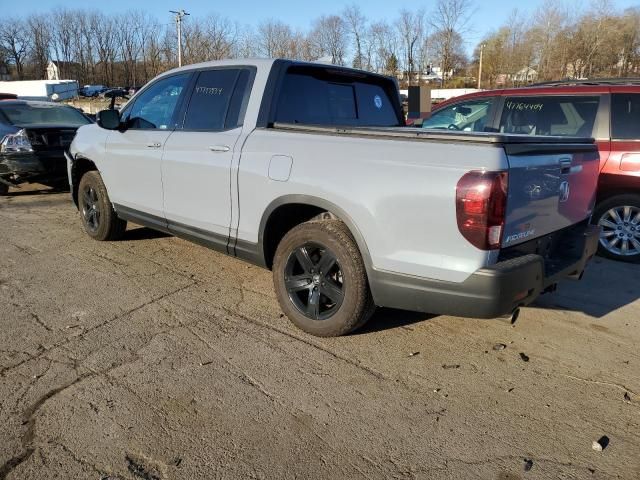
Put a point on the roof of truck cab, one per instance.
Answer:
(261, 63)
(255, 62)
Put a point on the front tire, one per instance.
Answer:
(4, 189)
(320, 279)
(619, 218)
(99, 219)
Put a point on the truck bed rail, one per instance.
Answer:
(411, 133)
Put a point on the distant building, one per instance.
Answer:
(5, 74)
(430, 74)
(501, 79)
(57, 70)
(526, 75)
(521, 77)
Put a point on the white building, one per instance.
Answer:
(57, 70)
(526, 75)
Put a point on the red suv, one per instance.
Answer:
(607, 110)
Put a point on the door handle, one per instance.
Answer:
(565, 166)
(219, 148)
(154, 145)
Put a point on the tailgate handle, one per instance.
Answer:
(565, 166)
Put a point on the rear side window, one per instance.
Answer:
(469, 116)
(319, 96)
(625, 116)
(217, 100)
(550, 115)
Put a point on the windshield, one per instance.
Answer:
(468, 116)
(43, 114)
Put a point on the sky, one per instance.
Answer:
(488, 15)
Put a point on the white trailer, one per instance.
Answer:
(442, 94)
(51, 90)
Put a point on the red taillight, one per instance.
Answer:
(481, 205)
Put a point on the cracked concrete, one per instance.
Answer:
(155, 358)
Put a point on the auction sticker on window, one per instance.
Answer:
(524, 106)
(377, 101)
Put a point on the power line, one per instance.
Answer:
(179, 15)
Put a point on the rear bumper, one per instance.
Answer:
(489, 292)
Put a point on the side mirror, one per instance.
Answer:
(109, 119)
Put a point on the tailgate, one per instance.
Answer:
(552, 185)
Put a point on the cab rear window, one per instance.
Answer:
(326, 97)
(550, 115)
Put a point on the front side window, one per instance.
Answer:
(550, 115)
(469, 116)
(154, 108)
(211, 100)
(625, 116)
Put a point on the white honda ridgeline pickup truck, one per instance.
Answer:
(308, 170)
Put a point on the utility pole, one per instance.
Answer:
(179, 15)
(480, 66)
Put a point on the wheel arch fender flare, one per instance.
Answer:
(76, 172)
(323, 204)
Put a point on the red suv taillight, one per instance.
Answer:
(481, 206)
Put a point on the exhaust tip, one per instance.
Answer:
(511, 317)
(515, 315)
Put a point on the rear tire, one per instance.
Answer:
(99, 219)
(320, 279)
(4, 189)
(619, 218)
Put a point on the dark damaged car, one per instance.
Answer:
(33, 139)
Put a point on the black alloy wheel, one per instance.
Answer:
(98, 216)
(321, 280)
(91, 208)
(314, 281)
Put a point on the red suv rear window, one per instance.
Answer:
(550, 115)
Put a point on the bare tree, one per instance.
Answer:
(357, 24)
(275, 39)
(450, 21)
(223, 36)
(630, 40)
(14, 41)
(329, 38)
(133, 46)
(103, 28)
(39, 29)
(384, 45)
(64, 40)
(411, 29)
(547, 35)
(246, 43)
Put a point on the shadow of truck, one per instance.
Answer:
(607, 286)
